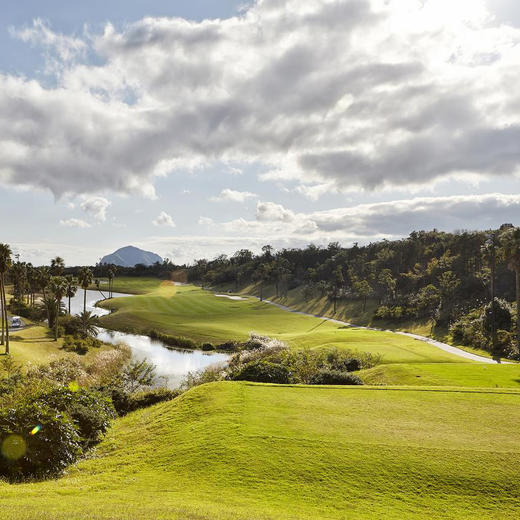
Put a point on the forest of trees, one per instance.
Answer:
(448, 278)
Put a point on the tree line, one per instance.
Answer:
(40, 293)
(430, 275)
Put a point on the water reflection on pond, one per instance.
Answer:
(172, 365)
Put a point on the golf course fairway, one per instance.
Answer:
(197, 314)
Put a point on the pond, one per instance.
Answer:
(172, 365)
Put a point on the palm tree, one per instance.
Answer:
(111, 274)
(510, 241)
(58, 286)
(5, 264)
(87, 324)
(85, 278)
(72, 288)
(57, 266)
(43, 277)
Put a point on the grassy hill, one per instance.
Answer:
(197, 314)
(246, 451)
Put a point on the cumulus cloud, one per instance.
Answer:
(390, 220)
(164, 219)
(233, 196)
(96, 207)
(74, 222)
(365, 93)
(269, 212)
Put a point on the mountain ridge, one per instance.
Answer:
(129, 256)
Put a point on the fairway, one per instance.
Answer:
(197, 314)
(444, 374)
(247, 451)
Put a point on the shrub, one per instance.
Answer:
(263, 372)
(25, 311)
(90, 411)
(125, 402)
(172, 341)
(62, 371)
(217, 372)
(36, 441)
(207, 347)
(150, 397)
(334, 377)
(258, 342)
(80, 345)
(342, 361)
(228, 346)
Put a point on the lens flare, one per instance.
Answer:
(74, 386)
(36, 429)
(13, 447)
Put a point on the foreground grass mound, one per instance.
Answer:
(249, 451)
(202, 317)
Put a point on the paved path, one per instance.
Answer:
(443, 346)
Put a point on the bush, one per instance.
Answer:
(42, 453)
(263, 372)
(172, 341)
(25, 311)
(207, 347)
(80, 345)
(228, 346)
(334, 377)
(149, 398)
(90, 411)
(125, 402)
(217, 372)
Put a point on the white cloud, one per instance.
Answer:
(74, 222)
(315, 191)
(392, 93)
(67, 48)
(164, 220)
(96, 207)
(269, 211)
(376, 221)
(233, 196)
(205, 221)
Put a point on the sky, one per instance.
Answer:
(195, 128)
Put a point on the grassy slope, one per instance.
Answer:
(189, 311)
(35, 345)
(236, 450)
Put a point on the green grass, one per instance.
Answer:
(245, 451)
(191, 312)
(35, 345)
(444, 374)
(130, 285)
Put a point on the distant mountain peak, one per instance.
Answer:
(129, 256)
